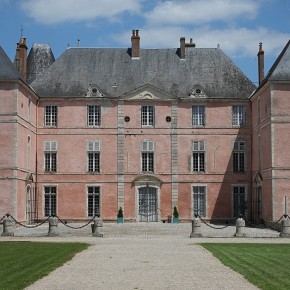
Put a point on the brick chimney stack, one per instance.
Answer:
(183, 46)
(135, 40)
(260, 63)
(20, 60)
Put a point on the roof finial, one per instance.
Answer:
(21, 31)
(79, 42)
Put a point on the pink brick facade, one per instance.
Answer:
(76, 156)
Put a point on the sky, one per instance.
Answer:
(236, 26)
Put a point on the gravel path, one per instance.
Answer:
(144, 256)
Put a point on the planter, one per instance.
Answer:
(175, 220)
(120, 220)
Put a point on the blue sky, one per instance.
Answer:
(237, 26)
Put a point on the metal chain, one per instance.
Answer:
(75, 228)
(216, 228)
(29, 227)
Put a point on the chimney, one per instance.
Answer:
(182, 48)
(260, 63)
(20, 60)
(135, 40)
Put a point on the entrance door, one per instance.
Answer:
(147, 204)
(239, 201)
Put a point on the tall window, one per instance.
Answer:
(94, 116)
(147, 156)
(198, 115)
(50, 152)
(49, 200)
(239, 154)
(93, 156)
(50, 118)
(93, 200)
(239, 196)
(147, 116)
(239, 116)
(199, 200)
(198, 156)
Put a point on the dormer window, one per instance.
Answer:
(197, 92)
(94, 91)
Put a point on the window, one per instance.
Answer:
(199, 200)
(50, 118)
(239, 198)
(94, 116)
(93, 156)
(49, 200)
(93, 201)
(239, 156)
(198, 115)
(239, 115)
(50, 148)
(147, 116)
(198, 156)
(147, 156)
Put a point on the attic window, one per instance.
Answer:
(94, 91)
(197, 92)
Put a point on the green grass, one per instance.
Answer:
(22, 263)
(264, 265)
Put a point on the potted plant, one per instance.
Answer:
(120, 217)
(175, 215)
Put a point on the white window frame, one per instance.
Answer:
(198, 115)
(238, 115)
(94, 115)
(94, 149)
(147, 116)
(50, 156)
(239, 152)
(198, 147)
(49, 195)
(50, 118)
(147, 149)
(94, 194)
(193, 194)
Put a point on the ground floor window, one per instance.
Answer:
(93, 201)
(239, 201)
(199, 200)
(49, 200)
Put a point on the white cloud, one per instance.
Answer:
(58, 11)
(201, 11)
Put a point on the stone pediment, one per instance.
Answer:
(94, 91)
(144, 179)
(148, 92)
(197, 92)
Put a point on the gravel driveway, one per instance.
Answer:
(144, 256)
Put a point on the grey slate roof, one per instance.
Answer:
(280, 71)
(8, 71)
(115, 73)
(39, 59)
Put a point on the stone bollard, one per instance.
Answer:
(240, 227)
(285, 231)
(196, 227)
(8, 226)
(53, 223)
(96, 227)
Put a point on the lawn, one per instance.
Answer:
(22, 263)
(264, 265)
